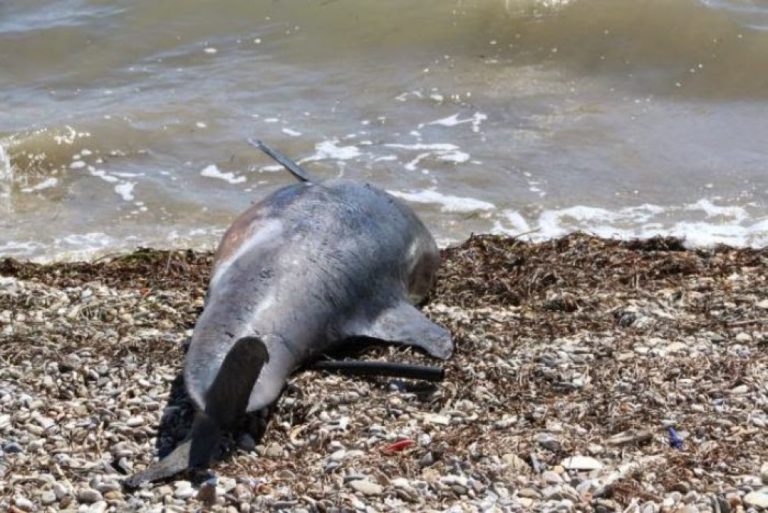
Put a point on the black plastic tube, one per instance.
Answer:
(373, 368)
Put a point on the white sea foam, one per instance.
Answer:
(196, 236)
(125, 190)
(271, 168)
(411, 166)
(5, 164)
(404, 96)
(455, 156)
(72, 247)
(6, 173)
(214, 172)
(331, 150)
(476, 119)
(441, 151)
(518, 7)
(122, 174)
(292, 133)
(100, 173)
(45, 184)
(448, 203)
(20, 249)
(712, 210)
(69, 135)
(90, 240)
(700, 224)
(442, 147)
(511, 223)
(84, 246)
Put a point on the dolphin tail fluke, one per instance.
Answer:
(195, 452)
(404, 324)
(296, 170)
(225, 401)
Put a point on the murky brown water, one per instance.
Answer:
(124, 123)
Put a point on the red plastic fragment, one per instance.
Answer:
(397, 446)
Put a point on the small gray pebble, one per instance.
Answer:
(12, 448)
(24, 504)
(98, 507)
(48, 497)
(88, 496)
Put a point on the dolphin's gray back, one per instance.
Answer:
(295, 268)
(326, 241)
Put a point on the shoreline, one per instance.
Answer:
(574, 357)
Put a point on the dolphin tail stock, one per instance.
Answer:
(296, 170)
(225, 401)
(227, 398)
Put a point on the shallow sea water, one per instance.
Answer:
(124, 124)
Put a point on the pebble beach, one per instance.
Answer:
(589, 375)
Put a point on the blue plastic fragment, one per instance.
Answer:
(674, 439)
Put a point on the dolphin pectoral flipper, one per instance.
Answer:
(403, 323)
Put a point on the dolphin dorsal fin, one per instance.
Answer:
(296, 170)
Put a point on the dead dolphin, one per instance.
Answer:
(308, 267)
